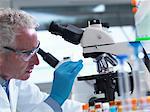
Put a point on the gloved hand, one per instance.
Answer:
(64, 77)
(103, 60)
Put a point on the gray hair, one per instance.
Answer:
(10, 21)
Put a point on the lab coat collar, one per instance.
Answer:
(13, 97)
(4, 102)
(13, 90)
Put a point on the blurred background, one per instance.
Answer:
(76, 12)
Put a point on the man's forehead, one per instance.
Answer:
(26, 33)
(27, 37)
(26, 30)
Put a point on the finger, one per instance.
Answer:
(71, 66)
(63, 65)
(81, 61)
(77, 70)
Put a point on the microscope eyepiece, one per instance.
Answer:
(56, 29)
(47, 57)
(70, 33)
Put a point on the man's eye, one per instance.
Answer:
(26, 54)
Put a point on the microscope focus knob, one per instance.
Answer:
(95, 21)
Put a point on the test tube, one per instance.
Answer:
(91, 106)
(124, 85)
(85, 108)
(98, 107)
(141, 86)
(105, 107)
(113, 107)
(138, 72)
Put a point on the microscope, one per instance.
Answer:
(99, 45)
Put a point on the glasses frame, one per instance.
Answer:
(28, 53)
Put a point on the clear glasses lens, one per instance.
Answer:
(27, 56)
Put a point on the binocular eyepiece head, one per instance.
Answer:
(70, 33)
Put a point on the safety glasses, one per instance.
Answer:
(25, 54)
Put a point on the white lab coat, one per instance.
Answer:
(26, 97)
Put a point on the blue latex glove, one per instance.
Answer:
(64, 77)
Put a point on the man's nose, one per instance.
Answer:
(35, 59)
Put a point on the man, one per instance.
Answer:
(18, 48)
